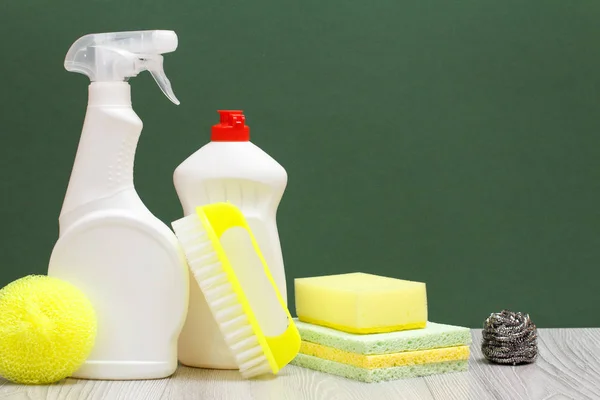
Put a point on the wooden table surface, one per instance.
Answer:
(568, 367)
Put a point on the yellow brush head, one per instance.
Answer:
(47, 329)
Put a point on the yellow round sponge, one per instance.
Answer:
(47, 329)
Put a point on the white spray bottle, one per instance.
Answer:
(229, 169)
(110, 245)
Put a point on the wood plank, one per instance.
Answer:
(295, 383)
(568, 368)
(196, 383)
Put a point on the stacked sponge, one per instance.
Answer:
(372, 328)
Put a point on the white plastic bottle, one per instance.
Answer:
(229, 168)
(110, 245)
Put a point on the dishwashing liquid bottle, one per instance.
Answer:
(128, 262)
(232, 169)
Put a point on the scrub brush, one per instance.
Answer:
(227, 263)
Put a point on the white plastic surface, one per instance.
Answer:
(246, 176)
(122, 257)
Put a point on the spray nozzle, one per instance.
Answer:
(110, 57)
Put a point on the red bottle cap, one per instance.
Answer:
(232, 127)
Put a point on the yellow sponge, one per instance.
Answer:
(361, 303)
(386, 360)
(47, 330)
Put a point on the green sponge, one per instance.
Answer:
(380, 374)
(431, 337)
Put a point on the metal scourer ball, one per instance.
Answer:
(509, 338)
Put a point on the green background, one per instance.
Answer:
(451, 142)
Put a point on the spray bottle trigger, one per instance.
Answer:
(154, 65)
(165, 85)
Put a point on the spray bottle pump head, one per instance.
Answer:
(231, 128)
(117, 56)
